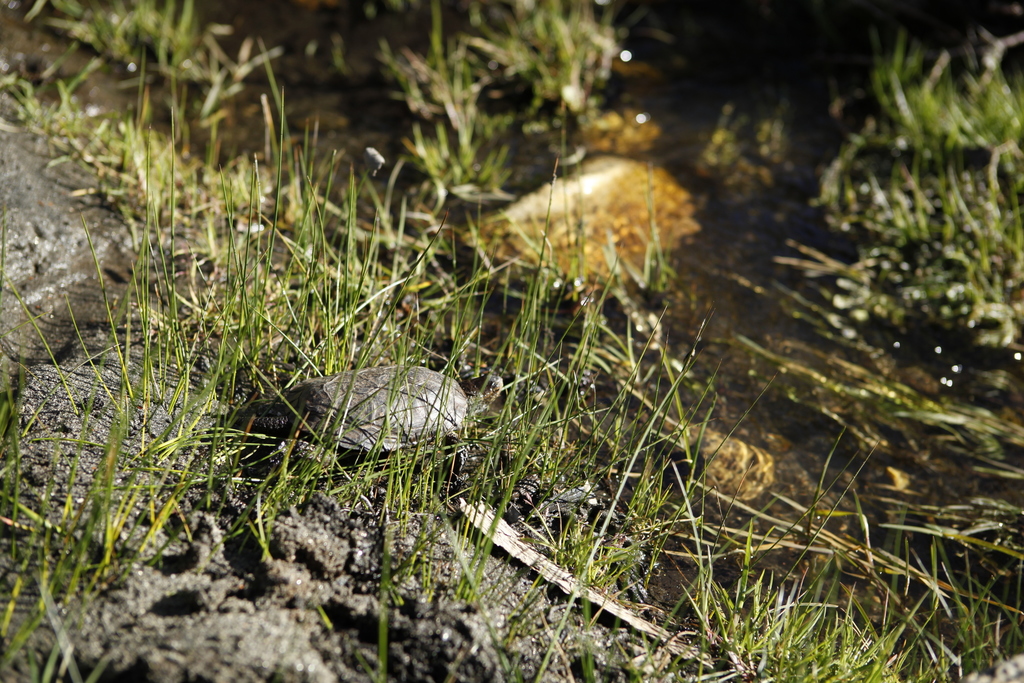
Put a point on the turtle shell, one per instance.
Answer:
(393, 405)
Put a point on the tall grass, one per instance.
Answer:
(559, 51)
(163, 38)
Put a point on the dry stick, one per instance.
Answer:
(508, 539)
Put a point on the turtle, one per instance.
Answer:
(394, 406)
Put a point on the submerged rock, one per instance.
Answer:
(600, 218)
(735, 467)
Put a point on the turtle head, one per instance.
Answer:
(482, 391)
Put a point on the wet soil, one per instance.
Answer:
(57, 249)
(197, 603)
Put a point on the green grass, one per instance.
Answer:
(316, 291)
(558, 51)
(166, 39)
(458, 157)
(290, 270)
(929, 191)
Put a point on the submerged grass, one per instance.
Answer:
(930, 192)
(864, 400)
(558, 52)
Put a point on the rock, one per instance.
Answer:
(597, 215)
(1007, 671)
(736, 468)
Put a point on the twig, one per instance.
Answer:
(506, 538)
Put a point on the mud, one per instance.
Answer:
(51, 270)
(1007, 671)
(75, 416)
(309, 612)
(200, 604)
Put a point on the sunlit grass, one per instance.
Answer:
(930, 194)
(256, 277)
(163, 38)
(559, 51)
(458, 152)
(254, 295)
(931, 615)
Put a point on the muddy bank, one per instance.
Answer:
(216, 610)
(202, 601)
(59, 240)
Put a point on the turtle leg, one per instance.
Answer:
(460, 454)
(524, 494)
(455, 484)
(272, 424)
